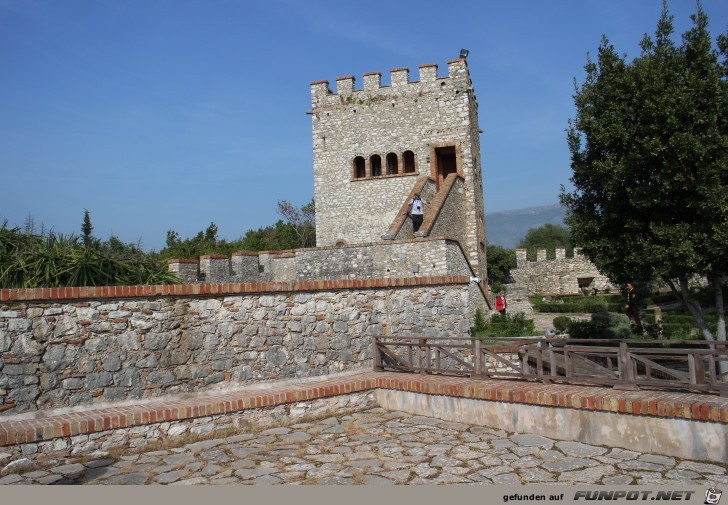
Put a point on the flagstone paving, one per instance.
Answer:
(375, 447)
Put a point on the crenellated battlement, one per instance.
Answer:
(522, 257)
(400, 81)
(403, 258)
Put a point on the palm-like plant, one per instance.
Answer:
(29, 260)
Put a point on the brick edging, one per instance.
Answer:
(227, 288)
(24, 428)
(688, 406)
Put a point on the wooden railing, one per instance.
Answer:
(694, 365)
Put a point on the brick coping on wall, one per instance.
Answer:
(219, 289)
(31, 427)
(361, 245)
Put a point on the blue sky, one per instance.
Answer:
(159, 114)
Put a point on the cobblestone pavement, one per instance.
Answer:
(378, 447)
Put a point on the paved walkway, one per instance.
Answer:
(377, 447)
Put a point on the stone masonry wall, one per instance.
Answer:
(143, 341)
(431, 257)
(558, 276)
(454, 206)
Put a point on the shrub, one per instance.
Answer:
(561, 323)
(609, 319)
(595, 330)
(31, 260)
(479, 323)
(509, 325)
(603, 325)
(586, 307)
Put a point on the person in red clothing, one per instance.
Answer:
(500, 303)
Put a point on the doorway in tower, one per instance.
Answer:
(445, 163)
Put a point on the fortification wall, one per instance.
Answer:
(562, 275)
(430, 257)
(76, 346)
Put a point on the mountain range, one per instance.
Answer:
(507, 228)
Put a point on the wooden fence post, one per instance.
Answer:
(626, 369)
(623, 364)
(377, 356)
(424, 358)
(696, 369)
(478, 358)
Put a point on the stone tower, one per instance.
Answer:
(374, 147)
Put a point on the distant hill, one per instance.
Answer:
(507, 228)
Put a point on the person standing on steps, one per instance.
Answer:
(417, 211)
(500, 303)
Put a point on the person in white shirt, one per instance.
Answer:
(417, 211)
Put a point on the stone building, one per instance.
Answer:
(375, 147)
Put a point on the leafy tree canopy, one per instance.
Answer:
(296, 230)
(649, 154)
(546, 236)
(501, 261)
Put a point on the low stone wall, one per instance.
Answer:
(78, 346)
(27, 455)
(685, 425)
(681, 438)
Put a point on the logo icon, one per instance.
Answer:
(712, 496)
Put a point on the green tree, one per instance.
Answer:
(649, 154)
(501, 261)
(303, 221)
(87, 229)
(296, 230)
(205, 242)
(115, 247)
(211, 234)
(548, 236)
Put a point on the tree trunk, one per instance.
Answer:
(720, 336)
(719, 307)
(691, 305)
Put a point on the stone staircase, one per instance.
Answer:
(517, 296)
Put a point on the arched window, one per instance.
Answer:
(392, 164)
(359, 172)
(409, 162)
(376, 165)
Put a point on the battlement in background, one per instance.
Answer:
(561, 275)
(399, 78)
(391, 259)
(522, 256)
